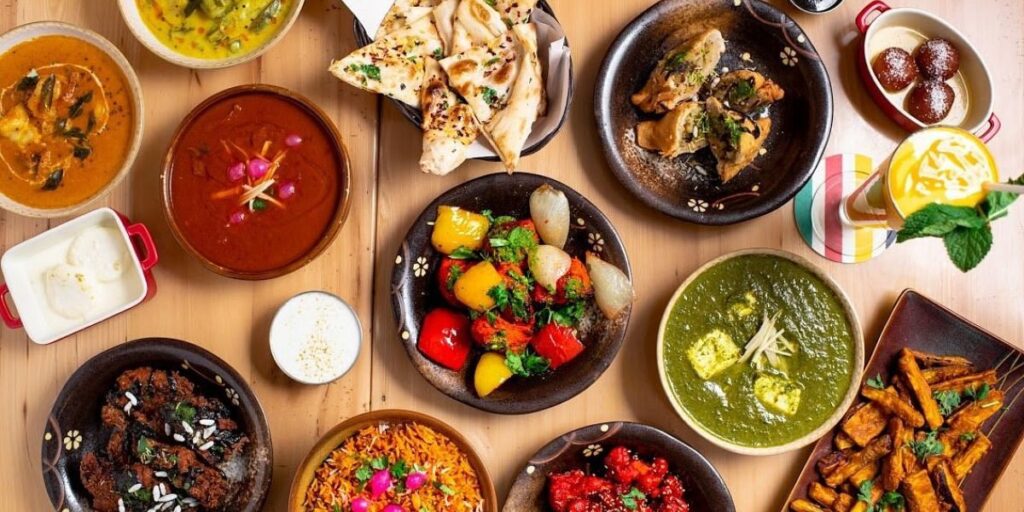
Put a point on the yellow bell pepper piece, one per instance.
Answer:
(491, 373)
(474, 286)
(456, 228)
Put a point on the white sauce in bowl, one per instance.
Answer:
(315, 337)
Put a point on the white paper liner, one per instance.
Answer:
(551, 48)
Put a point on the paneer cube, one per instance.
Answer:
(712, 353)
(777, 393)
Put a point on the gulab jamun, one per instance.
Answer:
(930, 101)
(895, 69)
(937, 59)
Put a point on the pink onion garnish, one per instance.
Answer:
(286, 190)
(258, 168)
(360, 505)
(380, 483)
(292, 140)
(415, 480)
(393, 508)
(236, 172)
(237, 217)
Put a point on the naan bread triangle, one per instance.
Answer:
(484, 74)
(444, 20)
(403, 14)
(476, 22)
(394, 64)
(509, 128)
(448, 124)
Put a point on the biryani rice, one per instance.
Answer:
(452, 483)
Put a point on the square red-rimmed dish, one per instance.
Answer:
(918, 323)
(877, 18)
(24, 264)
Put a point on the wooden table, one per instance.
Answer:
(231, 318)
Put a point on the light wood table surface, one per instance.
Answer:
(231, 318)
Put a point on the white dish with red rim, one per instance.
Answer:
(883, 26)
(77, 275)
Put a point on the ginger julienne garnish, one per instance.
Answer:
(258, 171)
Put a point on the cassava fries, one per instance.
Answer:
(920, 388)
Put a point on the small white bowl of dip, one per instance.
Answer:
(315, 337)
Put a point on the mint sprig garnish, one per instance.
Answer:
(966, 232)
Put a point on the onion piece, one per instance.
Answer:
(612, 290)
(548, 264)
(549, 209)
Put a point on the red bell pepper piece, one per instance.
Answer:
(445, 339)
(449, 271)
(557, 343)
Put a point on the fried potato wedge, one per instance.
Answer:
(891, 403)
(856, 462)
(920, 388)
(865, 424)
(919, 493)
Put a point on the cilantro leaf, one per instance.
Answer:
(631, 498)
(876, 382)
(569, 316)
(948, 401)
(490, 96)
(939, 220)
(400, 469)
(930, 446)
(379, 463)
(978, 392)
(364, 473)
(527, 363)
(967, 247)
(864, 492)
(893, 500)
(968, 437)
(445, 489)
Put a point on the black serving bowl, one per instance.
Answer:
(758, 36)
(74, 428)
(415, 116)
(586, 448)
(414, 293)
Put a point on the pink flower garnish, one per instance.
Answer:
(236, 172)
(286, 190)
(292, 140)
(258, 168)
(360, 505)
(237, 217)
(415, 480)
(393, 508)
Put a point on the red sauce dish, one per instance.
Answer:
(885, 27)
(256, 182)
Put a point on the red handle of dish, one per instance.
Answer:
(5, 311)
(877, 6)
(994, 125)
(150, 258)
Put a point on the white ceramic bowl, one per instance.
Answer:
(315, 337)
(132, 17)
(24, 264)
(31, 31)
(855, 377)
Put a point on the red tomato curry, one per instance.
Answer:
(255, 182)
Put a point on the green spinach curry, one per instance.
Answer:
(758, 350)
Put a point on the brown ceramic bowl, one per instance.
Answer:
(414, 293)
(74, 428)
(337, 435)
(758, 36)
(585, 448)
(856, 333)
(344, 182)
(918, 323)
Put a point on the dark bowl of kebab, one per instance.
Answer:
(713, 112)
(156, 424)
(512, 293)
(618, 467)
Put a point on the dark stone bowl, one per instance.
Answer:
(73, 427)
(585, 449)
(414, 293)
(688, 187)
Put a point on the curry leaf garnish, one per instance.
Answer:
(47, 91)
(54, 180)
(81, 152)
(191, 7)
(79, 104)
(29, 81)
(265, 16)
